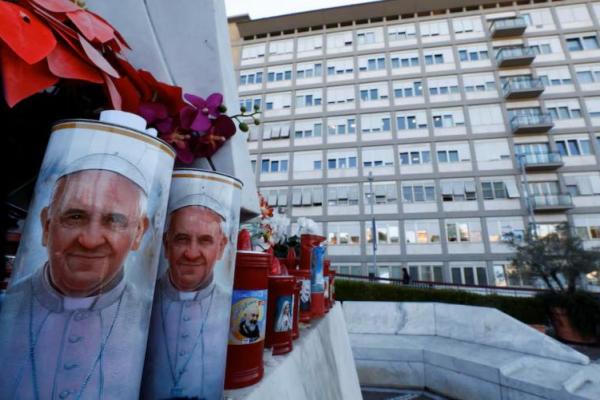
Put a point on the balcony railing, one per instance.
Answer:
(523, 87)
(551, 202)
(531, 123)
(508, 27)
(551, 160)
(515, 56)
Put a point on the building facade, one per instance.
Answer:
(472, 119)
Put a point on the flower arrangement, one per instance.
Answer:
(44, 43)
(270, 229)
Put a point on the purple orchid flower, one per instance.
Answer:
(205, 111)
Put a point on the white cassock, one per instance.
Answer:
(187, 345)
(55, 347)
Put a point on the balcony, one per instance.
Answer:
(515, 56)
(551, 202)
(522, 88)
(508, 27)
(541, 161)
(538, 123)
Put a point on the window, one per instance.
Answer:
(341, 126)
(555, 76)
(275, 197)
(468, 55)
(309, 70)
(468, 25)
(343, 233)
(365, 38)
(385, 193)
(307, 196)
(426, 273)
(404, 60)
(377, 157)
(458, 190)
(443, 86)
(250, 102)
(573, 16)
(587, 226)
(434, 28)
(401, 32)
(505, 229)
(387, 232)
(371, 93)
(495, 190)
(371, 63)
(276, 131)
(340, 95)
(415, 157)
(486, 119)
(341, 162)
(583, 43)
(375, 123)
(307, 129)
(253, 52)
(340, 67)
(309, 44)
(538, 19)
(469, 275)
(278, 101)
(574, 147)
(411, 120)
(408, 89)
(564, 109)
(542, 48)
(339, 41)
(583, 185)
(281, 47)
(446, 156)
(447, 118)
(342, 195)
(431, 59)
(250, 78)
(593, 107)
(422, 231)
(273, 166)
(479, 83)
(418, 193)
(308, 99)
(463, 231)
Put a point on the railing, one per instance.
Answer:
(523, 121)
(508, 53)
(512, 291)
(541, 159)
(509, 23)
(522, 84)
(552, 200)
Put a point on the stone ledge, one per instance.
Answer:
(321, 366)
(465, 369)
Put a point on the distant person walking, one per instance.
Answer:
(405, 276)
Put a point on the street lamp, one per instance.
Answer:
(373, 269)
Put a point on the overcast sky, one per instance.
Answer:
(268, 8)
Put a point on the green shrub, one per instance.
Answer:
(529, 310)
(583, 309)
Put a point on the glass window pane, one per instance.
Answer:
(456, 276)
(469, 276)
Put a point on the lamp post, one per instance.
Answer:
(528, 197)
(373, 269)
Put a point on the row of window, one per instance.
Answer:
(405, 63)
(419, 192)
(463, 28)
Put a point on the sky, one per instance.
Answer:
(268, 8)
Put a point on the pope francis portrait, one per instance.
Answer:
(190, 316)
(68, 328)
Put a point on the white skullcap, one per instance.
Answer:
(108, 162)
(198, 199)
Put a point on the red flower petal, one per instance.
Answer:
(134, 76)
(64, 62)
(21, 80)
(57, 6)
(224, 126)
(25, 33)
(113, 93)
(119, 38)
(91, 27)
(169, 95)
(130, 98)
(97, 58)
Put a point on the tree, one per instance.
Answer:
(559, 254)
